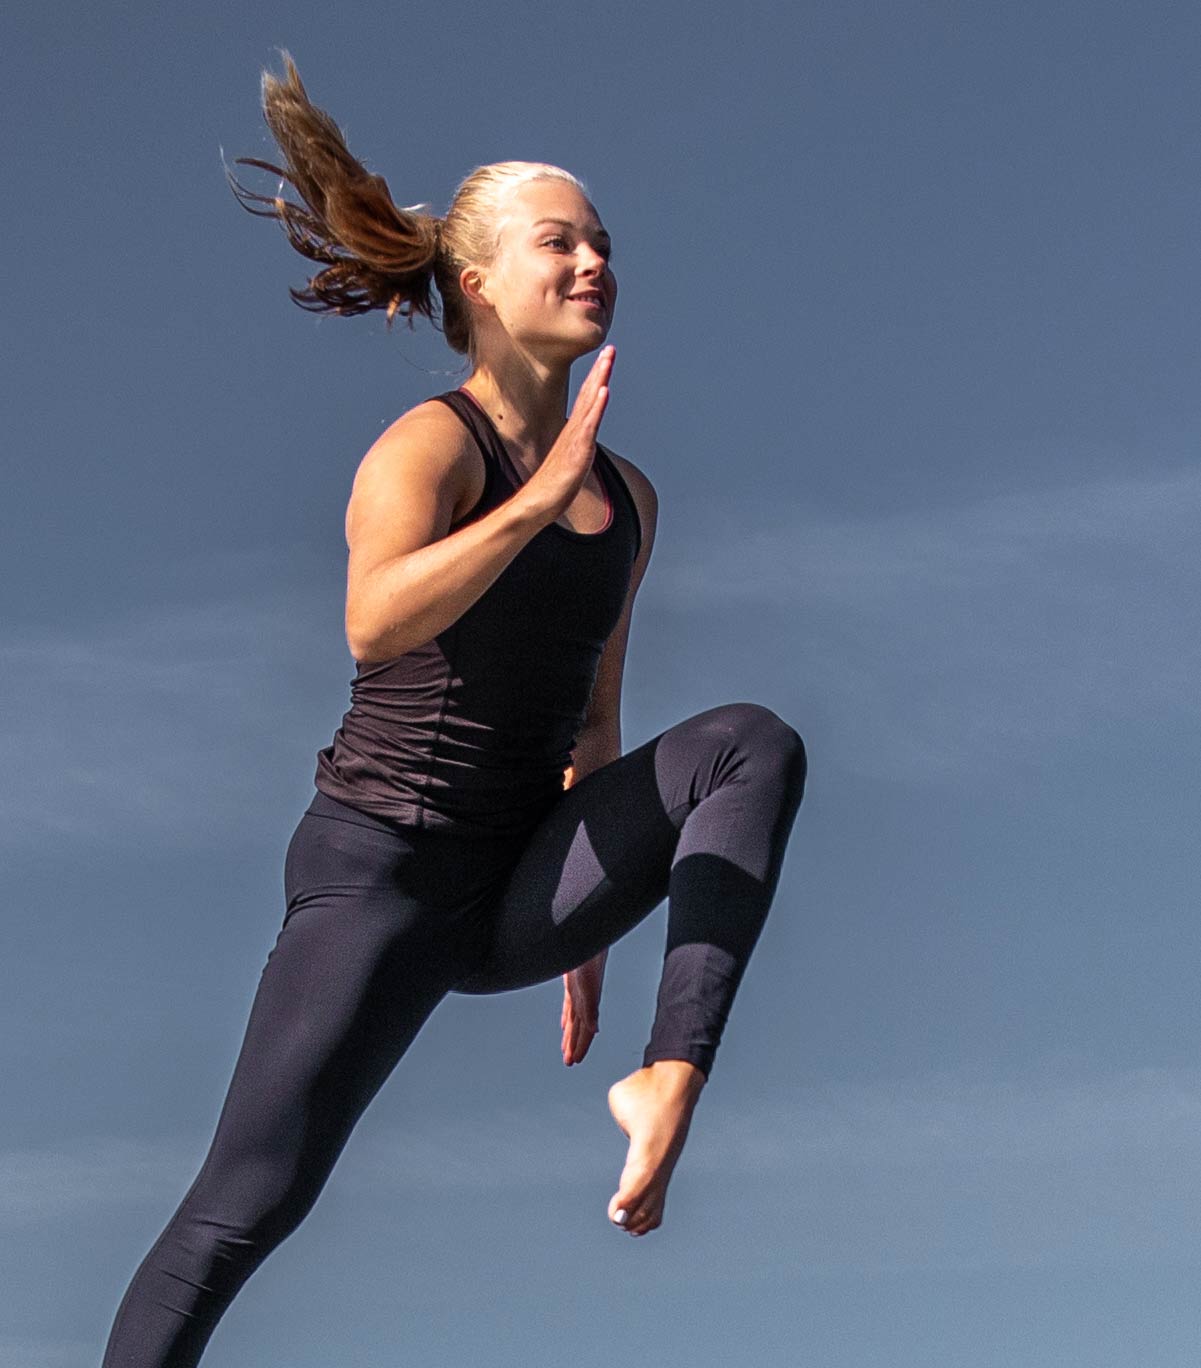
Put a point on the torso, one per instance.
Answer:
(474, 728)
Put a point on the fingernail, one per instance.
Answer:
(620, 1217)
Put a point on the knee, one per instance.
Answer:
(241, 1220)
(775, 747)
(762, 729)
(748, 739)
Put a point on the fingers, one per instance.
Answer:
(602, 368)
(587, 1035)
(599, 377)
(567, 1021)
(577, 1037)
(579, 1024)
(589, 421)
(596, 379)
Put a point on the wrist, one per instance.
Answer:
(530, 510)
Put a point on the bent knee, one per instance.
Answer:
(773, 742)
(760, 725)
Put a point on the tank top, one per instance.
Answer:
(473, 730)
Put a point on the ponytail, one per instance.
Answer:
(376, 255)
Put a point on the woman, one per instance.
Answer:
(476, 827)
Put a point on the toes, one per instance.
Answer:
(628, 1206)
(642, 1222)
(636, 1213)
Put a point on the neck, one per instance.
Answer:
(525, 398)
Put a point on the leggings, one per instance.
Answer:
(382, 921)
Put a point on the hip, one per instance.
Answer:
(340, 855)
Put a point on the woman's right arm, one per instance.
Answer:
(407, 579)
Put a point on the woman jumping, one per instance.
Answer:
(475, 826)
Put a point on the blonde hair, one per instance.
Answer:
(375, 254)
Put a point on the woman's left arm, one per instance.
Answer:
(598, 743)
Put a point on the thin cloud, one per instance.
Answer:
(941, 640)
(889, 1126)
(17, 1351)
(53, 1184)
(873, 1175)
(181, 724)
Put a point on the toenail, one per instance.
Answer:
(620, 1217)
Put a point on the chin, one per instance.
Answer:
(570, 349)
(597, 338)
(564, 346)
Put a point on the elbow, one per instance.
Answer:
(369, 647)
(369, 636)
(373, 632)
(363, 644)
(600, 734)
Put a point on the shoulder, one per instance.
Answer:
(429, 441)
(429, 431)
(428, 452)
(643, 493)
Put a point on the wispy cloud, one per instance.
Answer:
(49, 1185)
(892, 1126)
(17, 1351)
(984, 1174)
(939, 1172)
(181, 723)
(920, 1170)
(941, 639)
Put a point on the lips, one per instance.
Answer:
(590, 297)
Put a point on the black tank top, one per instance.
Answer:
(474, 729)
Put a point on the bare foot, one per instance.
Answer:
(653, 1106)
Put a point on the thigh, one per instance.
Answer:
(600, 860)
(603, 856)
(367, 949)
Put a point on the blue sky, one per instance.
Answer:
(907, 340)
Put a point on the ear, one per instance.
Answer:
(474, 284)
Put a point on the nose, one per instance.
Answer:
(592, 260)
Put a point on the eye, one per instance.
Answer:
(558, 237)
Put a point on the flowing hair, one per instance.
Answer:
(375, 254)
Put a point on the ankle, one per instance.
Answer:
(677, 1075)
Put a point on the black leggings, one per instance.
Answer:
(383, 921)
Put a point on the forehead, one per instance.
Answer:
(556, 199)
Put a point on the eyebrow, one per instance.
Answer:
(566, 223)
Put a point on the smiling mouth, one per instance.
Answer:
(594, 300)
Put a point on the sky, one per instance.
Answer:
(907, 342)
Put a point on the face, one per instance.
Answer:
(550, 284)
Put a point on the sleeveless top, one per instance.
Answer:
(474, 729)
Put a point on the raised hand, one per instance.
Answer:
(558, 479)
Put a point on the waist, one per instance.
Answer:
(323, 805)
